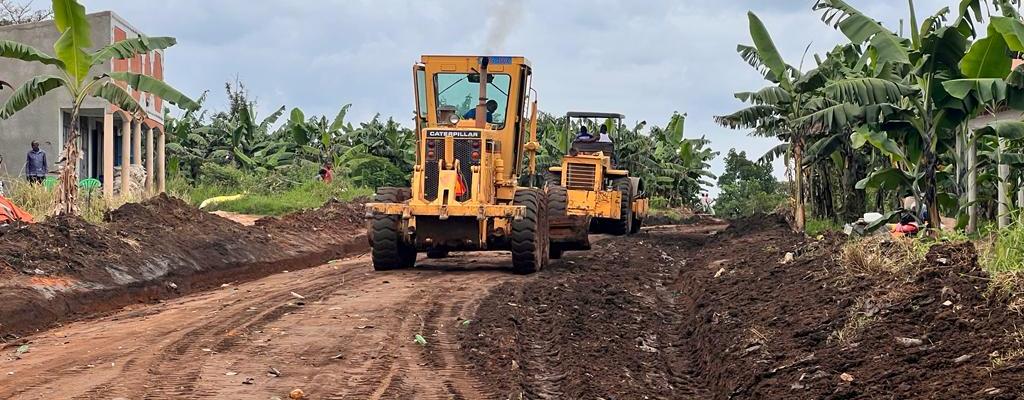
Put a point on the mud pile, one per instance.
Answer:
(66, 268)
(679, 315)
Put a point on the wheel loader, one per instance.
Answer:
(588, 194)
(465, 194)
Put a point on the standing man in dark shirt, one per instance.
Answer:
(35, 164)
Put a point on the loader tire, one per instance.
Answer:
(530, 244)
(552, 179)
(624, 224)
(388, 248)
(558, 200)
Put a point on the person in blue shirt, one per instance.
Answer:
(35, 164)
(584, 136)
(492, 106)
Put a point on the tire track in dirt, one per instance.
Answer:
(352, 339)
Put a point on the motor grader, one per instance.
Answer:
(465, 194)
(588, 194)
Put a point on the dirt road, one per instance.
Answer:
(339, 331)
(674, 312)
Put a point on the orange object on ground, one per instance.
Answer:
(11, 213)
(901, 230)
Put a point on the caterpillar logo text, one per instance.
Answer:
(454, 134)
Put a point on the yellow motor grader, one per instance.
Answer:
(587, 192)
(465, 194)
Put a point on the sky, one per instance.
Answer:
(644, 58)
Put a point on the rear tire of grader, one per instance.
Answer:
(530, 245)
(636, 225)
(389, 250)
(558, 200)
(623, 225)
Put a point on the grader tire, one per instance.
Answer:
(637, 224)
(558, 200)
(530, 245)
(624, 224)
(388, 249)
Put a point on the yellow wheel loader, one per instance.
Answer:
(588, 193)
(465, 194)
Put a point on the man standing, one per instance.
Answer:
(35, 164)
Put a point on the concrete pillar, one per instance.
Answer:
(137, 142)
(108, 156)
(126, 161)
(149, 161)
(161, 160)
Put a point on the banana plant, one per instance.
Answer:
(914, 106)
(73, 60)
(241, 139)
(317, 138)
(777, 110)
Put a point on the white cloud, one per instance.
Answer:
(643, 58)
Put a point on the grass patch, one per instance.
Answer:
(876, 256)
(307, 195)
(40, 202)
(815, 227)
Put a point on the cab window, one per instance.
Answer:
(460, 90)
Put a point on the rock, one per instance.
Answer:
(942, 261)
(249, 381)
(798, 386)
(297, 394)
(962, 359)
(845, 377)
(273, 372)
(298, 296)
(947, 303)
(788, 258)
(172, 285)
(719, 273)
(909, 342)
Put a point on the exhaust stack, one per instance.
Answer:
(481, 107)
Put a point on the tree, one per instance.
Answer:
(775, 111)
(922, 91)
(12, 13)
(748, 187)
(74, 63)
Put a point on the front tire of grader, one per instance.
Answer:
(530, 245)
(388, 248)
(623, 225)
(637, 224)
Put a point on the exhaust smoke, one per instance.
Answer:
(505, 14)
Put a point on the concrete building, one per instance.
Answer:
(110, 137)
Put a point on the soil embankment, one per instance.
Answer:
(65, 268)
(675, 314)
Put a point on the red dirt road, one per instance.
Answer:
(350, 336)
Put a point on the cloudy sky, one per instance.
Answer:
(645, 58)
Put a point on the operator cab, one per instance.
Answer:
(594, 132)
